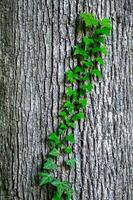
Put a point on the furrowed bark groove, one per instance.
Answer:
(36, 38)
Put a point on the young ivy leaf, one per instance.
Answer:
(69, 107)
(45, 178)
(103, 31)
(71, 76)
(53, 137)
(79, 51)
(82, 102)
(99, 60)
(62, 114)
(71, 162)
(78, 69)
(61, 186)
(96, 72)
(68, 149)
(55, 152)
(56, 196)
(88, 63)
(78, 116)
(88, 19)
(100, 39)
(70, 124)
(70, 138)
(87, 87)
(70, 92)
(101, 49)
(105, 22)
(49, 164)
(87, 40)
(62, 128)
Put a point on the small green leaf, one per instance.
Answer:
(70, 138)
(70, 92)
(53, 137)
(78, 116)
(61, 186)
(69, 107)
(87, 63)
(55, 152)
(103, 31)
(45, 178)
(101, 49)
(87, 40)
(49, 164)
(88, 87)
(62, 126)
(71, 162)
(85, 77)
(99, 60)
(62, 114)
(105, 22)
(78, 69)
(71, 76)
(88, 19)
(71, 125)
(83, 102)
(79, 51)
(100, 39)
(56, 196)
(68, 149)
(96, 72)
(68, 194)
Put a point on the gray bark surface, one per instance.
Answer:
(36, 38)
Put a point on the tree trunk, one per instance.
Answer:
(36, 37)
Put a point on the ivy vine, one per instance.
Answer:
(89, 54)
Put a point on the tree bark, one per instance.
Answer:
(36, 38)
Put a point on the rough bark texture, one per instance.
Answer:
(36, 37)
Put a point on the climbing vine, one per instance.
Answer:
(79, 81)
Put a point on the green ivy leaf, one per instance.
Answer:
(105, 22)
(87, 40)
(101, 49)
(49, 164)
(62, 128)
(87, 63)
(70, 138)
(85, 77)
(87, 87)
(78, 116)
(96, 72)
(56, 196)
(71, 125)
(78, 69)
(45, 178)
(69, 107)
(55, 152)
(103, 31)
(62, 114)
(79, 51)
(99, 60)
(70, 92)
(71, 162)
(100, 39)
(68, 149)
(68, 194)
(53, 137)
(71, 76)
(61, 186)
(88, 19)
(82, 102)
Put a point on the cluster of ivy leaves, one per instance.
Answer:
(89, 54)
